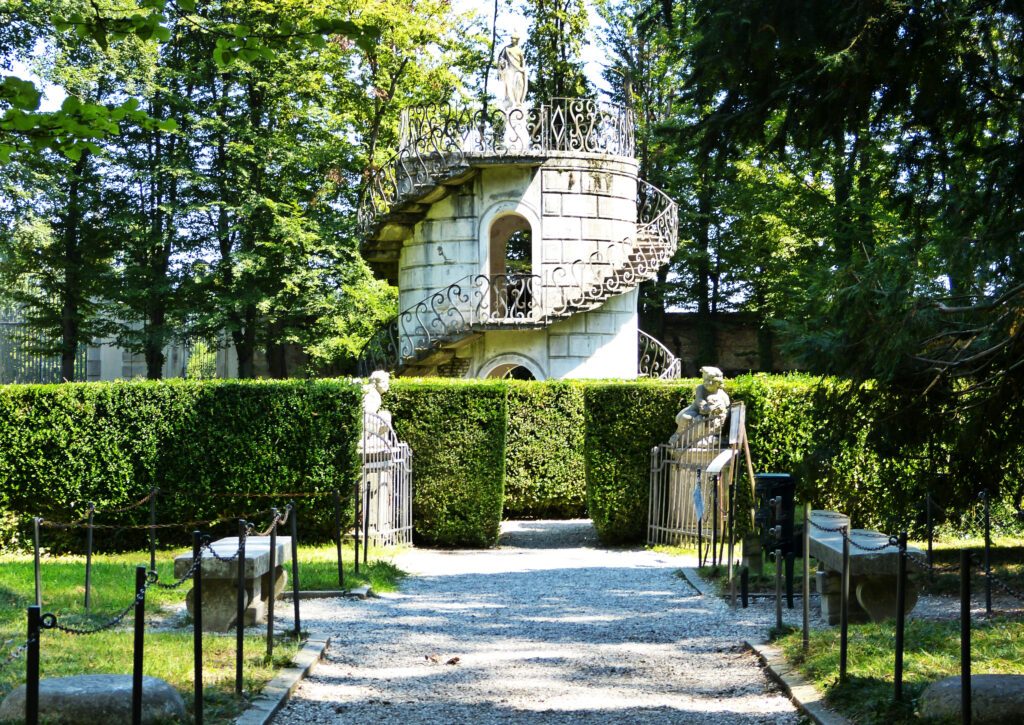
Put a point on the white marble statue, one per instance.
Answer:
(512, 69)
(378, 384)
(710, 405)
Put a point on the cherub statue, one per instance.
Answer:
(378, 384)
(710, 404)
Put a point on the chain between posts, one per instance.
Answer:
(144, 527)
(14, 655)
(50, 621)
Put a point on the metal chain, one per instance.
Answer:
(209, 547)
(187, 576)
(1006, 587)
(923, 566)
(131, 507)
(892, 542)
(142, 527)
(827, 529)
(14, 655)
(49, 621)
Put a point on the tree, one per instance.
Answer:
(557, 30)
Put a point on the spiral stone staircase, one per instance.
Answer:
(569, 154)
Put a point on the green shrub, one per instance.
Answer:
(544, 470)
(110, 443)
(457, 431)
(623, 422)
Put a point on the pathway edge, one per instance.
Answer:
(276, 692)
(807, 698)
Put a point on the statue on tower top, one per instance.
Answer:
(512, 68)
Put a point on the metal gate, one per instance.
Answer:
(385, 500)
(690, 482)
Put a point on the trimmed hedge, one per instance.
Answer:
(623, 422)
(110, 443)
(457, 432)
(477, 445)
(544, 469)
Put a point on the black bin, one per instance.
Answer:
(766, 487)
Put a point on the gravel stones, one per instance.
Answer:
(547, 628)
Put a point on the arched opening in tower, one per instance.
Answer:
(511, 268)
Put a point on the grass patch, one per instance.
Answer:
(168, 654)
(674, 550)
(932, 652)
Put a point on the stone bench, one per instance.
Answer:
(872, 573)
(220, 580)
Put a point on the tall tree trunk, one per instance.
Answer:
(70, 307)
(707, 346)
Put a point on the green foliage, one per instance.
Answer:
(457, 432)
(553, 49)
(111, 443)
(623, 422)
(544, 470)
(932, 653)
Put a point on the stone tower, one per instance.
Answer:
(517, 237)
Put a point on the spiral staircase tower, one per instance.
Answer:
(438, 220)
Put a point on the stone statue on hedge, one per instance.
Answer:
(705, 416)
(376, 420)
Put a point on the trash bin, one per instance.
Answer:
(766, 487)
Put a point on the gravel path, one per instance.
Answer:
(547, 628)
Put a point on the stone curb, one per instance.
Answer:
(696, 581)
(803, 694)
(276, 693)
(363, 592)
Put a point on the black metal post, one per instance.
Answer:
(931, 527)
(807, 578)
(358, 523)
(366, 524)
(700, 541)
(88, 558)
(844, 606)
(714, 521)
(988, 546)
(295, 566)
(901, 614)
(777, 557)
(35, 542)
(197, 626)
(240, 609)
(790, 569)
(152, 529)
(337, 531)
(744, 586)
(32, 667)
(965, 636)
(732, 580)
(273, 585)
(138, 648)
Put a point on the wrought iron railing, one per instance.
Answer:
(438, 141)
(654, 360)
(482, 301)
(473, 302)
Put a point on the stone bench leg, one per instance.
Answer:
(877, 596)
(220, 600)
(872, 598)
(830, 586)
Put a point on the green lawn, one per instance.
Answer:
(168, 653)
(932, 652)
